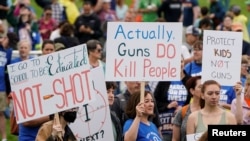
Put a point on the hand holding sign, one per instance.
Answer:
(57, 128)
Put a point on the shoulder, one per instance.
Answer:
(47, 124)
(230, 118)
(193, 116)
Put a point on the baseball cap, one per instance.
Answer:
(193, 30)
(236, 9)
(59, 46)
(237, 26)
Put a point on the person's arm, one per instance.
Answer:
(196, 11)
(5, 8)
(236, 106)
(98, 6)
(239, 109)
(36, 122)
(176, 133)
(191, 123)
(177, 126)
(132, 132)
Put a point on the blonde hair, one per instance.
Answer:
(23, 42)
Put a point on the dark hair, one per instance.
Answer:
(62, 23)
(190, 84)
(198, 44)
(66, 29)
(45, 42)
(204, 11)
(20, 24)
(133, 102)
(203, 88)
(13, 39)
(48, 7)
(205, 22)
(111, 84)
(91, 45)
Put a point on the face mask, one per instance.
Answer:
(69, 116)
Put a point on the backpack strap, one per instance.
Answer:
(184, 111)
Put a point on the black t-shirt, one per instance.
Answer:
(3, 13)
(171, 10)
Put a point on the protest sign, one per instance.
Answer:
(51, 83)
(93, 120)
(143, 51)
(222, 56)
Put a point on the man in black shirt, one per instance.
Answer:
(88, 24)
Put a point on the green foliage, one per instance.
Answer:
(240, 3)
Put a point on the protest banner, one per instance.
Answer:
(93, 122)
(222, 56)
(143, 51)
(51, 83)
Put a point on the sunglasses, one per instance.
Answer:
(99, 50)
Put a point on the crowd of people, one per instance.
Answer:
(161, 115)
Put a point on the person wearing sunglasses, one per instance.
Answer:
(47, 24)
(95, 54)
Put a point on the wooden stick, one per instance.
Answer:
(142, 91)
(57, 122)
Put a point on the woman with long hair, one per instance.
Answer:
(138, 127)
(212, 113)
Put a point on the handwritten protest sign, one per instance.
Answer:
(143, 51)
(222, 56)
(93, 121)
(51, 83)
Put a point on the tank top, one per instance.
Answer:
(202, 128)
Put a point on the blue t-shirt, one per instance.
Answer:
(5, 58)
(193, 69)
(145, 132)
(188, 15)
(27, 133)
(227, 94)
(18, 59)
